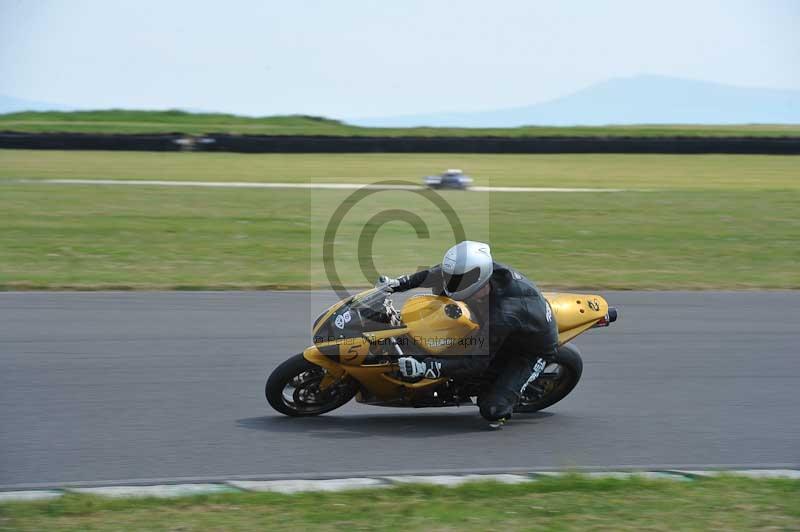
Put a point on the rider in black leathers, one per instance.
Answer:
(516, 320)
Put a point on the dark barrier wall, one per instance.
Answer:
(80, 141)
(256, 144)
(322, 144)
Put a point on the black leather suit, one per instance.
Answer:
(518, 326)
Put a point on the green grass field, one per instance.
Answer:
(668, 172)
(714, 222)
(121, 121)
(571, 503)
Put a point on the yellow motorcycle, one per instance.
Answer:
(358, 340)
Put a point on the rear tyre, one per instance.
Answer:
(293, 389)
(557, 380)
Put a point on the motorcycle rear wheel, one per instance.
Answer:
(293, 389)
(555, 383)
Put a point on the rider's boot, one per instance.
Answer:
(496, 408)
(497, 424)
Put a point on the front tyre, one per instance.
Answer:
(293, 389)
(557, 380)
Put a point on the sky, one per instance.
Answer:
(358, 58)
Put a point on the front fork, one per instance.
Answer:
(333, 371)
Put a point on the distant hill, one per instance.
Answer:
(634, 100)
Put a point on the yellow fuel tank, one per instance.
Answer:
(437, 323)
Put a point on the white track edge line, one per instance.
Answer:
(305, 186)
(308, 485)
(386, 477)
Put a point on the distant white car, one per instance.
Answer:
(451, 178)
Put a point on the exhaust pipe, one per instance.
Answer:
(608, 319)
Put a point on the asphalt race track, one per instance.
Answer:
(121, 386)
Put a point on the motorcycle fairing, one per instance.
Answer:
(425, 317)
(575, 313)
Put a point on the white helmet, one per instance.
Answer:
(466, 268)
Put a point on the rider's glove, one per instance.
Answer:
(410, 367)
(389, 282)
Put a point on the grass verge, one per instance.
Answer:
(569, 503)
(718, 222)
(121, 121)
(146, 238)
(662, 172)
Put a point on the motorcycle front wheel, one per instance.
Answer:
(293, 388)
(557, 380)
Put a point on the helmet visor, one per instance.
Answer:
(457, 282)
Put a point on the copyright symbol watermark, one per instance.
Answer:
(416, 211)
